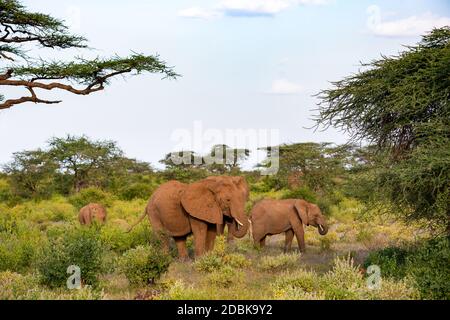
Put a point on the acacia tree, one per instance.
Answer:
(83, 160)
(315, 165)
(20, 29)
(401, 104)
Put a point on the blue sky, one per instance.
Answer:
(245, 64)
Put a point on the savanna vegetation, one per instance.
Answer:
(384, 194)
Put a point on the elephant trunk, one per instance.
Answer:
(323, 229)
(239, 227)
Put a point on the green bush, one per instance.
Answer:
(91, 195)
(144, 264)
(44, 212)
(219, 258)
(19, 243)
(236, 260)
(301, 193)
(138, 190)
(14, 286)
(391, 261)
(81, 247)
(15, 254)
(430, 267)
(225, 277)
(345, 281)
(208, 262)
(5, 191)
(277, 263)
(426, 262)
(300, 280)
(117, 239)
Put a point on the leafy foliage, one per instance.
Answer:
(81, 247)
(144, 264)
(401, 105)
(426, 262)
(20, 27)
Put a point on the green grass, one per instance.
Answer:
(121, 267)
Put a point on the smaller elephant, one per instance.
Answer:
(269, 217)
(92, 212)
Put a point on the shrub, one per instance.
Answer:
(44, 212)
(116, 238)
(346, 210)
(430, 268)
(14, 286)
(302, 280)
(208, 262)
(390, 260)
(144, 264)
(225, 277)
(327, 240)
(139, 190)
(16, 254)
(5, 191)
(177, 290)
(301, 193)
(277, 263)
(344, 281)
(81, 247)
(364, 235)
(91, 195)
(236, 260)
(218, 258)
(426, 263)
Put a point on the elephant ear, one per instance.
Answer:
(199, 201)
(241, 183)
(302, 208)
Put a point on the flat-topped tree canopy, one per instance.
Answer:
(18, 28)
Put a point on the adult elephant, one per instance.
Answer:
(243, 187)
(271, 217)
(178, 210)
(92, 212)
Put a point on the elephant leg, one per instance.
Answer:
(230, 237)
(181, 247)
(262, 242)
(210, 237)
(300, 235)
(288, 241)
(220, 229)
(200, 230)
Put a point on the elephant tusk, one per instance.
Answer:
(321, 228)
(239, 223)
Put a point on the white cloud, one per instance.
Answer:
(411, 26)
(246, 8)
(198, 13)
(283, 86)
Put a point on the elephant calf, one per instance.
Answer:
(271, 217)
(91, 212)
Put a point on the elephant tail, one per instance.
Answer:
(137, 222)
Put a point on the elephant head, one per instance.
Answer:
(310, 214)
(213, 200)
